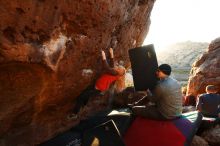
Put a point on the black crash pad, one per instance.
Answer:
(105, 134)
(144, 66)
(74, 137)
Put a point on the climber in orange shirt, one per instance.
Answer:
(111, 75)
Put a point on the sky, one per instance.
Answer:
(175, 21)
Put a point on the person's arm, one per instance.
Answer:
(153, 97)
(186, 101)
(106, 66)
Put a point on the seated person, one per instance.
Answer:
(166, 96)
(190, 100)
(111, 74)
(189, 103)
(209, 103)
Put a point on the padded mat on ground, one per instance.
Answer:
(121, 118)
(178, 132)
(105, 134)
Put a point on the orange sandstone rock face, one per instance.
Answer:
(50, 51)
(206, 70)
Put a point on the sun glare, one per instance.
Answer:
(175, 21)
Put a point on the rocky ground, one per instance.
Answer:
(210, 137)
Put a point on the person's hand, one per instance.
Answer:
(103, 55)
(111, 52)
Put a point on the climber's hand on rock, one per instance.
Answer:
(111, 52)
(103, 55)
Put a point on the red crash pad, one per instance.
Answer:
(144, 132)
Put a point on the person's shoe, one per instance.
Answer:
(72, 116)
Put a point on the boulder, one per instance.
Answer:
(50, 52)
(205, 70)
(212, 136)
(199, 141)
